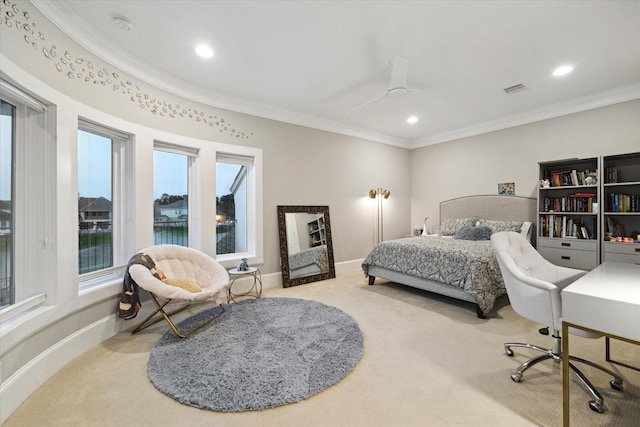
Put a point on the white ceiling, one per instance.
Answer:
(311, 62)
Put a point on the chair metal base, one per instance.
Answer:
(167, 316)
(597, 403)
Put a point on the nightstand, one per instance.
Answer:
(255, 291)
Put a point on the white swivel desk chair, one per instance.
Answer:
(534, 288)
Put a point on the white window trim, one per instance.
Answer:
(254, 253)
(33, 123)
(122, 189)
(193, 185)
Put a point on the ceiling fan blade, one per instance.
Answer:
(377, 98)
(399, 69)
(426, 97)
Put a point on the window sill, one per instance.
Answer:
(16, 310)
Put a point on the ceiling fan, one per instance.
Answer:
(398, 86)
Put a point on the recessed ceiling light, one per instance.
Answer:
(204, 51)
(412, 120)
(563, 70)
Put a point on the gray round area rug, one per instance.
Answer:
(257, 355)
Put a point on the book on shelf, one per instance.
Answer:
(612, 175)
(563, 226)
(571, 177)
(584, 232)
(616, 229)
(577, 202)
(624, 202)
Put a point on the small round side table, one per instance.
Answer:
(256, 288)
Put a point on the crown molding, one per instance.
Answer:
(589, 102)
(103, 48)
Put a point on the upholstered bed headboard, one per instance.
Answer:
(499, 208)
(494, 207)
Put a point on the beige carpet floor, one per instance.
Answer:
(428, 361)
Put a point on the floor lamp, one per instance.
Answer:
(379, 194)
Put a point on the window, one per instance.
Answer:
(171, 167)
(26, 185)
(235, 205)
(7, 138)
(101, 198)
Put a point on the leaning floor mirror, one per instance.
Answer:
(306, 250)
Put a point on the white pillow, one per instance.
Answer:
(524, 228)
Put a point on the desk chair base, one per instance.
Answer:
(597, 403)
(167, 316)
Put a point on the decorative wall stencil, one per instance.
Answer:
(83, 70)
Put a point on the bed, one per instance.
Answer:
(309, 261)
(462, 268)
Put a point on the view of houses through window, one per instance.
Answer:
(106, 196)
(171, 198)
(232, 198)
(7, 114)
(95, 202)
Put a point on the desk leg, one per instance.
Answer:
(607, 355)
(565, 375)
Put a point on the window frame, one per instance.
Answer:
(193, 179)
(250, 173)
(122, 172)
(32, 151)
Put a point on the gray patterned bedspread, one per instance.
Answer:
(469, 265)
(316, 255)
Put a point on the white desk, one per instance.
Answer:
(605, 301)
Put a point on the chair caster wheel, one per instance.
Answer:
(596, 406)
(508, 352)
(516, 376)
(616, 385)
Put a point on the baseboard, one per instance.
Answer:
(19, 386)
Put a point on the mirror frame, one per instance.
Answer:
(287, 280)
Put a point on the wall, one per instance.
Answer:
(476, 165)
(301, 166)
(336, 170)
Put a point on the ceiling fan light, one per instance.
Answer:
(412, 120)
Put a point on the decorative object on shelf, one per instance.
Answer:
(507, 189)
(544, 183)
(244, 265)
(379, 194)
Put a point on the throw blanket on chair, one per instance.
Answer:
(130, 296)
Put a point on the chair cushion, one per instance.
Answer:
(184, 283)
(184, 263)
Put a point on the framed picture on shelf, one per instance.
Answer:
(507, 189)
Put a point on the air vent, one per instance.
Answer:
(514, 88)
